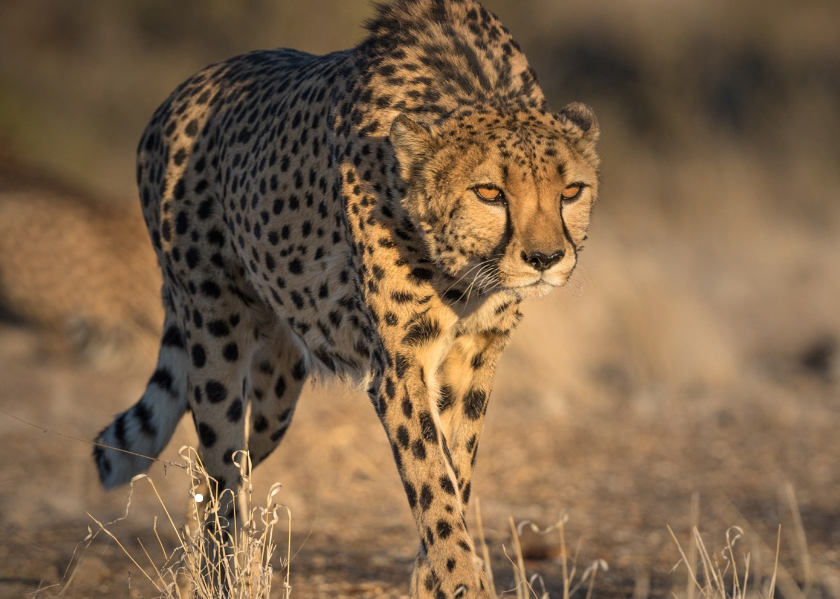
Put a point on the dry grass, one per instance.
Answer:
(526, 586)
(215, 557)
(718, 575)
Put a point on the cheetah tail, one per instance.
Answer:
(147, 426)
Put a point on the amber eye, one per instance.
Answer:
(570, 192)
(489, 194)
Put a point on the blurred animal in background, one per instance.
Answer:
(80, 271)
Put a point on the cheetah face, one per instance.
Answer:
(503, 199)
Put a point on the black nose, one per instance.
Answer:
(542, 261)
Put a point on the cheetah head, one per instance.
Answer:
(503, 198)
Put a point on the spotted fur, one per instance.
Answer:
(328, 213)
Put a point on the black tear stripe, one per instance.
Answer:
(568, 236)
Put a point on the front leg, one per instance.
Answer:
(466, 379)
(447, 566)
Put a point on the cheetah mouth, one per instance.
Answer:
(536, 285)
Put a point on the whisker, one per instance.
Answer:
(490, 280)
(477, 278)
(461, 278)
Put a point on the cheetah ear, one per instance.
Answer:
(583, 119)
(411, 142)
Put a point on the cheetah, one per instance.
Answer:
(78, 269)
(379, 214)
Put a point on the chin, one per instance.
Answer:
(534, 290)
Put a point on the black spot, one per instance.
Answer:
(172, 337)
(295, 266)
(234, 412)
(397, 457)
(180, 156)
(444, 529)
(402, 437)
(119, 430)
(471, 443)
(199, 356)
(426, 497)
(401, 365)
(216, 237)
(206, 435)
(474, 403)
(280, 387)
(427, 427)
(103, 463)
(231, 352)
(218, 328)
(453, 295)
(144, 415)
(407, 408)
(297, 298)
(180, 189)
(299, 371)
(192, 128)
(182, 223)
(260, 423)
(402, 297)
(210, 289)
(410, 492)
(389, 388)
(465, 494)
(446, 485)
(424, 274)
(423, 331)
(193, 256)
(418, 448)
(216, 392)
(162, 378)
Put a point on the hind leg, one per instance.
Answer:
(220, 342)
(246, 375)
(277, 375)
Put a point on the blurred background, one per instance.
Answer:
(694, 352)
